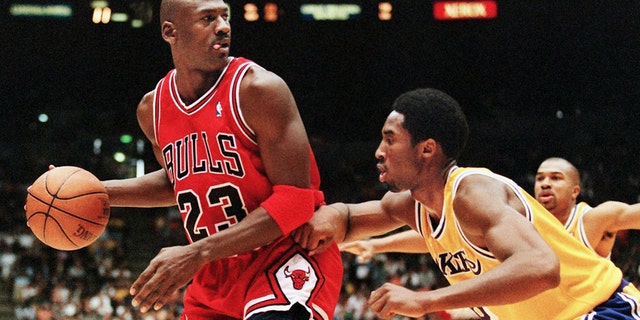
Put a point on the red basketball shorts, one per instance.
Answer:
(272, 278)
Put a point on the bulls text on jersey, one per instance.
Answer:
(193, 155)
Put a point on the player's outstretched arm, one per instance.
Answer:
(613, 216)
(408, 241)
(343, 223)
(602, 223)
(150, 190)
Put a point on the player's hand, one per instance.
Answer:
(319, 233)
(362, 248)
(390, 300)
(171, 269)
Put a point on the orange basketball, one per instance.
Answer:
(67, 208)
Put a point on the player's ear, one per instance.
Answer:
(168, 32)
(427, 147)
(576, 191)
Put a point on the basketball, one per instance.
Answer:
(67, 208)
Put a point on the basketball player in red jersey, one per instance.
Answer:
(238, 165)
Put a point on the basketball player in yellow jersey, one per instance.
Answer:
(557, 186)
(497, 246)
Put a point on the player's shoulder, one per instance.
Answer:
(398, 203)
(260, 78)
(478, 183)
(263, 91)
(146, 103)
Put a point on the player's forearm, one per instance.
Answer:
(365, 220)
(255, 230)
(150, 190)
(406, 242)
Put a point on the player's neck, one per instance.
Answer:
(192, 85)
(563, 215)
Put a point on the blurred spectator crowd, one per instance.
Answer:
(90, 283)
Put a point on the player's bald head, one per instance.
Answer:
(556, 164)
(168, 8)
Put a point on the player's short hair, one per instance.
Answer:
(431, 113)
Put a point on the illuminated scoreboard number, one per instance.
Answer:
(270, 12)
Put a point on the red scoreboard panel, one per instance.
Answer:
(461, 10)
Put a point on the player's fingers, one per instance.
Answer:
(297, 234)
(378, 304)
(303, 236)
(321, 247)
(365, 255)
(162, 300)
(316, 239)
(157, 297)
(51, 167)
(148, 294)
(140, 287)
(374, 301)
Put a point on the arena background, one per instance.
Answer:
(543, 78)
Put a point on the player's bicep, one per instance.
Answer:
(270, 110)
(491, 216)
(615, 216)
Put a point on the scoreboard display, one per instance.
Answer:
(273, 11)
(139, 13)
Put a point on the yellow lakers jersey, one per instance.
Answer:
(586, 279)
(575, 226)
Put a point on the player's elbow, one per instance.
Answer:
(548, 271)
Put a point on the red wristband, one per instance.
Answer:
(290, 206)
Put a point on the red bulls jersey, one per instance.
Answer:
(213, 162)
(210, 154)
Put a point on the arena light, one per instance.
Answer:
(461, 10)
(41, 10)
(251, 12)
(271, 12)
(119, 157)
(126, 138)
(99, 4)
(101, 15)
(385, 11)
(119, 17)
(137, 23)
(330, 11)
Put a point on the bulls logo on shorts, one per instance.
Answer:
(297, 277)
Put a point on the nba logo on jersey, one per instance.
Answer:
(218, 110)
